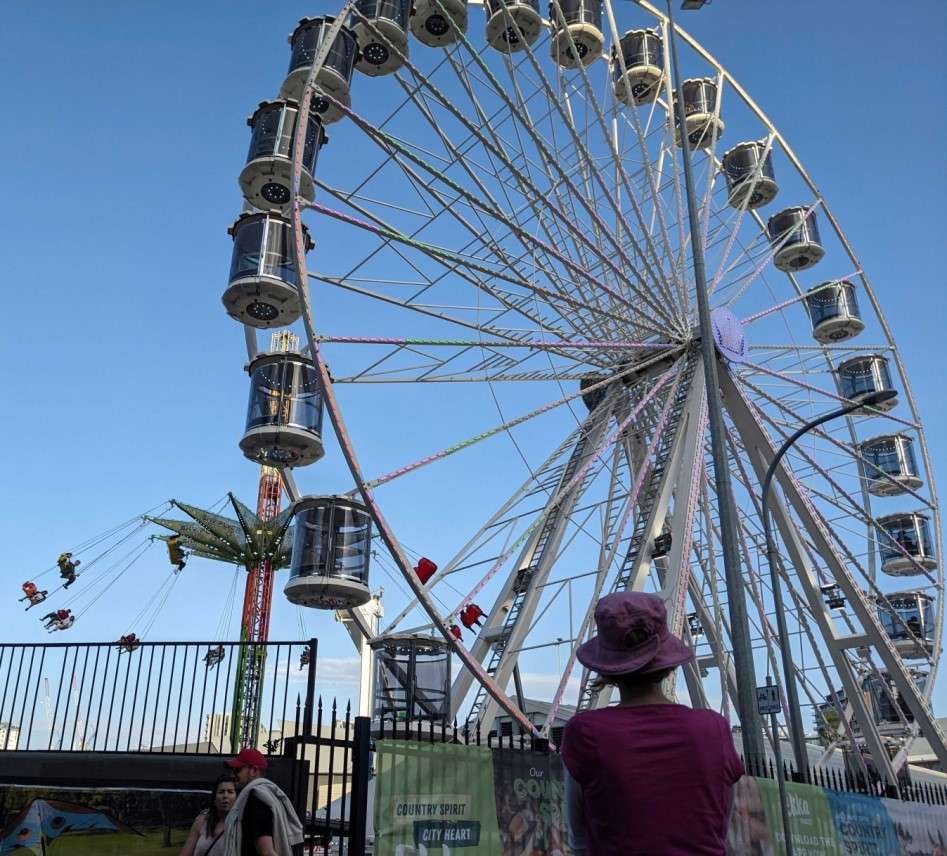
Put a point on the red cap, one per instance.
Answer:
(247, 758)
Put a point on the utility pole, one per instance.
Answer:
(750, 725)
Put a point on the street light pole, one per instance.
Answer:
(796, 729)
(750, 724)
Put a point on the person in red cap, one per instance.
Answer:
(647, 776)
(262, 821)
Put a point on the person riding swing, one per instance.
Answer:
(176, 554)
(67, 568)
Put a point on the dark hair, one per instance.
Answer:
(213, 816)
(633, 681)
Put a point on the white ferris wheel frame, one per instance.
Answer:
(684, 477)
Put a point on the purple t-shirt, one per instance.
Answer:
(656, 778)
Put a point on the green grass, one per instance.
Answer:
(117, 844)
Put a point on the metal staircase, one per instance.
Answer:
(646, 500)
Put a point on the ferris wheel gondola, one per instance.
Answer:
(516, 232)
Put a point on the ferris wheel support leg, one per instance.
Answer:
(536, 559)
(761, 451)
(714, 634)
(677, 480)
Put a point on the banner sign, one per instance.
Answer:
(440, 799)
(530, 803)
(434, 798)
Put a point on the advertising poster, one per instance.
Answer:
(810, 819)
(921, 830)
(862, 825)
(748, 833)
(434, 799)
(530, 803)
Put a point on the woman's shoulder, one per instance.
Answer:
(201, 817)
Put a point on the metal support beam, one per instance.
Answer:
(536, 560)
(676, 479)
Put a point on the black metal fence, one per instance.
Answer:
(149, 697)
(847, 781)
(333, 786)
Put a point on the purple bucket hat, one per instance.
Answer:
(633, 636)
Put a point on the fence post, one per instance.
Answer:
(358, 811)
(310, 689)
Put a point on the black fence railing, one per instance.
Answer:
(854, 782)
(333, 786)
(389, 727)
(147, 697)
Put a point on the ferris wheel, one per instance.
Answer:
(502, 284)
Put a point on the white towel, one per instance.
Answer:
(287, 830)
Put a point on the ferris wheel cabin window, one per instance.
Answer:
(331, 553)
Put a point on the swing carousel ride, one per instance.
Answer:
(502, 267)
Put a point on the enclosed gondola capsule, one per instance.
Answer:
(262, 287)
(861, 376)
(412, 680)
(284, 416)
(833, 310)
(512, 25)
(794, 235)
(889, 465)
(751, 180)
(703, 124)
(908, 619)
(335, 76)
(266, 178)
(905, 544)
(638, 67)
(437, 23)
(891, 711)
(578, 22)
(381, 28)
(332, 540)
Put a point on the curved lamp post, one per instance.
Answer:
(796, 730)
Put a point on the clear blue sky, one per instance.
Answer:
(124, 134)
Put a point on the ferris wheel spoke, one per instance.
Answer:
(824, 392)
(505, 426)
(531, 192)
(652, 183)
(386, 141)
(586, 158)
(497, 521)
(774, 247)
(591, 99)
(742, 210)
(483, 206)
(847, 451)
(547, 264)
(469, 269)
(517, 599)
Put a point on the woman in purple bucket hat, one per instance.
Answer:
(646, 777)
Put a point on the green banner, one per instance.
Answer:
(434, 798)
(810, 819)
